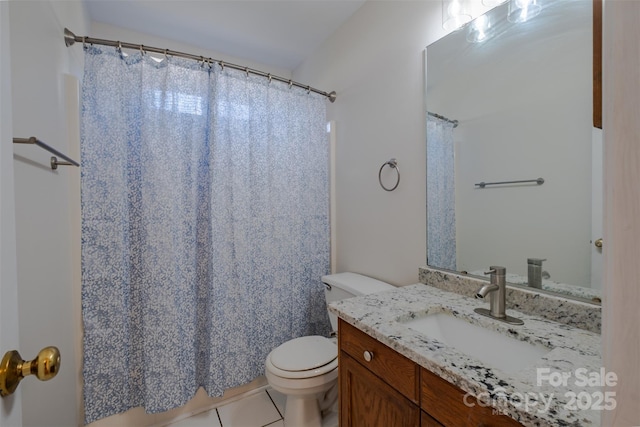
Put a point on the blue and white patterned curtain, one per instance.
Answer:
(204, 227)
(441, 197)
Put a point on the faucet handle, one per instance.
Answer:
(494, 269)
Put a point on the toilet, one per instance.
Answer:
(305, 369)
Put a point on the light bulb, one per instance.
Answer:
(454, 8)
(454, 14)
(481, 22)
(523, 10)
(479, 31)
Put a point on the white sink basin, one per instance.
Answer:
(490, 347)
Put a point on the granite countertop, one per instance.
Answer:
(530, 396)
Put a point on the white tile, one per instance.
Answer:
(252, 411)
(279, 399)
(203, 419)
(330, 420)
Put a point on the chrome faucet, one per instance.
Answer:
(534, 272)
(497, 291)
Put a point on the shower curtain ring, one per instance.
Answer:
(290, 83)
(246, 70)
(221, 65)
(142, 49)
(269, 76)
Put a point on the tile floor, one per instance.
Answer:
(263, 409)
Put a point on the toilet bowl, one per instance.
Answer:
(305, 369)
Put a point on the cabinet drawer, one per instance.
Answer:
(392, 367)
(445, 402)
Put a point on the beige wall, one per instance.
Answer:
(375, 62)
(621, 312)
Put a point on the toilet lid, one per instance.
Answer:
(303, 354)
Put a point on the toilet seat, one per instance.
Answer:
(304, 357)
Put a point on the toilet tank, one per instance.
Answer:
(347, 285)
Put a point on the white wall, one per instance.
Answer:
(46, 203)
(110, 32)
(10, 406)
(375, 63)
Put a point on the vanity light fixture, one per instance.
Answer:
(479, 30)
(455, 13)
(492, 3)
(522, 10)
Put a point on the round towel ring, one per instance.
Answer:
(393, 164)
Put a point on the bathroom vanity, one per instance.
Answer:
(379, 386)
(396, 371)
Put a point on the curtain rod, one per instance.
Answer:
(70, 39)
(438, 116)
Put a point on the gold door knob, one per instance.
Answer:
(13, 369)
(598, 243)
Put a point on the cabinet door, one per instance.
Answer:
(367, 401)
(447, 403)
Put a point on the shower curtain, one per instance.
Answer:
(204, 227)
(441, 197)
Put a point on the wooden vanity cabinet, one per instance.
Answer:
(378, 386)
(446, 403)
(381, 388)
(366, 400)
(427, 420)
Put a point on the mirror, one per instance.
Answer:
(516, 106)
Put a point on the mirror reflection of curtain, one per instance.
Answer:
(441, 209)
